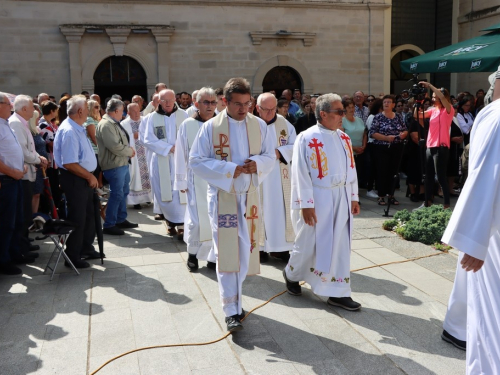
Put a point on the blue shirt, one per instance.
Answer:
(71, 145)
(11, 153)
(293, 108)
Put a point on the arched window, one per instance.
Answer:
(280, 78)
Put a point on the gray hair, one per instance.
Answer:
(264, 96)
(324, 103)
(40, 95)
(113, 105)
(164, 91)
(75, 103)
(205, 91)
(4, 97)
(132, 105)
(21, 101)
(137, 96)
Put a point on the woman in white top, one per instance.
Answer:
(465, 117)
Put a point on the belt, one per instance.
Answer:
(331, 187)
(4, 177)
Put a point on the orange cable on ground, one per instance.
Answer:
(248, 313)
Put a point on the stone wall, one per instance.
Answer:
(211, 43)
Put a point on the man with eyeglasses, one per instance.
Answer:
(359, 109)
(324, 200)
(278, 235)
(197, 234)
(160, 134)
(234, 152)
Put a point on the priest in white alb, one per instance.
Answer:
(160, 135)
(277, 236)
(324, 200)
(197, 231)
(234, 152)
(140, 187)
(474, 229)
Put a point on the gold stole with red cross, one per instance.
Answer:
(227, 221)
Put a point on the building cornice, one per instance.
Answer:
(314, 4)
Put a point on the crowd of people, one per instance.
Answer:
(236, 177)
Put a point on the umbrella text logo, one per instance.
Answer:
(475, 64)
(468, 49)
(442, 64)
(413, 66)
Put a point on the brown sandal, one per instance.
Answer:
(381, 202)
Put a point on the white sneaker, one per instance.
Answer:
(419, 208)
(371, 194)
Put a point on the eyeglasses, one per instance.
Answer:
(242, 105)
(207, 103)
(267, 110)
(340, 112)
(167, 101)
(370, 100)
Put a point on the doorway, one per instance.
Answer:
(280, 78)
(120, 75)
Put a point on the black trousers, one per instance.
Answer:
(387, 166)
(360, 161)
(371, 166)
(27, 215)
(436, 163)
(80, 203)
(11, 218)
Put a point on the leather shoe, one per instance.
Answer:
(137, 207)
(171, 231)
(77, 264)
(34, 247)
(344, 302)
(10, 269)
(233, 323)
(192, 263)
(242, 315)
(454, 341)
(93, 255)
(31, 239)
(22, 259)
(159, 217)
(211, 265)
(114, 231)
(126, 225)
(292, 287)
(30, 255)
(264, 257)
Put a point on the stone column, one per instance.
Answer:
(162, 37)
(73, 36)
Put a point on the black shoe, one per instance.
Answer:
(211, 265)
(453, 340)
(344, 302)
(77, 264)
(233, 323)
(264, 257)
(242, 315)
(284, 256)
(31, 239)
(137, 207)
(9, 269)
(180, 234)
(93, 255)
(27, 254)
(192, 263)
(34, 247)
(22, 259)
(159, 217)
(126, 225)
(114, 231)
(292, 287)
(414, 198)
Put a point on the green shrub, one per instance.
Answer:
(426, 225)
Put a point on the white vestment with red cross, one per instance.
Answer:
(219, 175)
(323, 178)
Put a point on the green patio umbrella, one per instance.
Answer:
(480, 54)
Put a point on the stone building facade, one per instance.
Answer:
(57, 46)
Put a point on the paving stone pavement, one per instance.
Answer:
(144, 295)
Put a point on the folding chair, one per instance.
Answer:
(58, 231)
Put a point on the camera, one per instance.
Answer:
(417, 91)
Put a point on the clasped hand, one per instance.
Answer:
(248, 167)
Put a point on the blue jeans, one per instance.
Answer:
(119, 181)
(11, 218)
